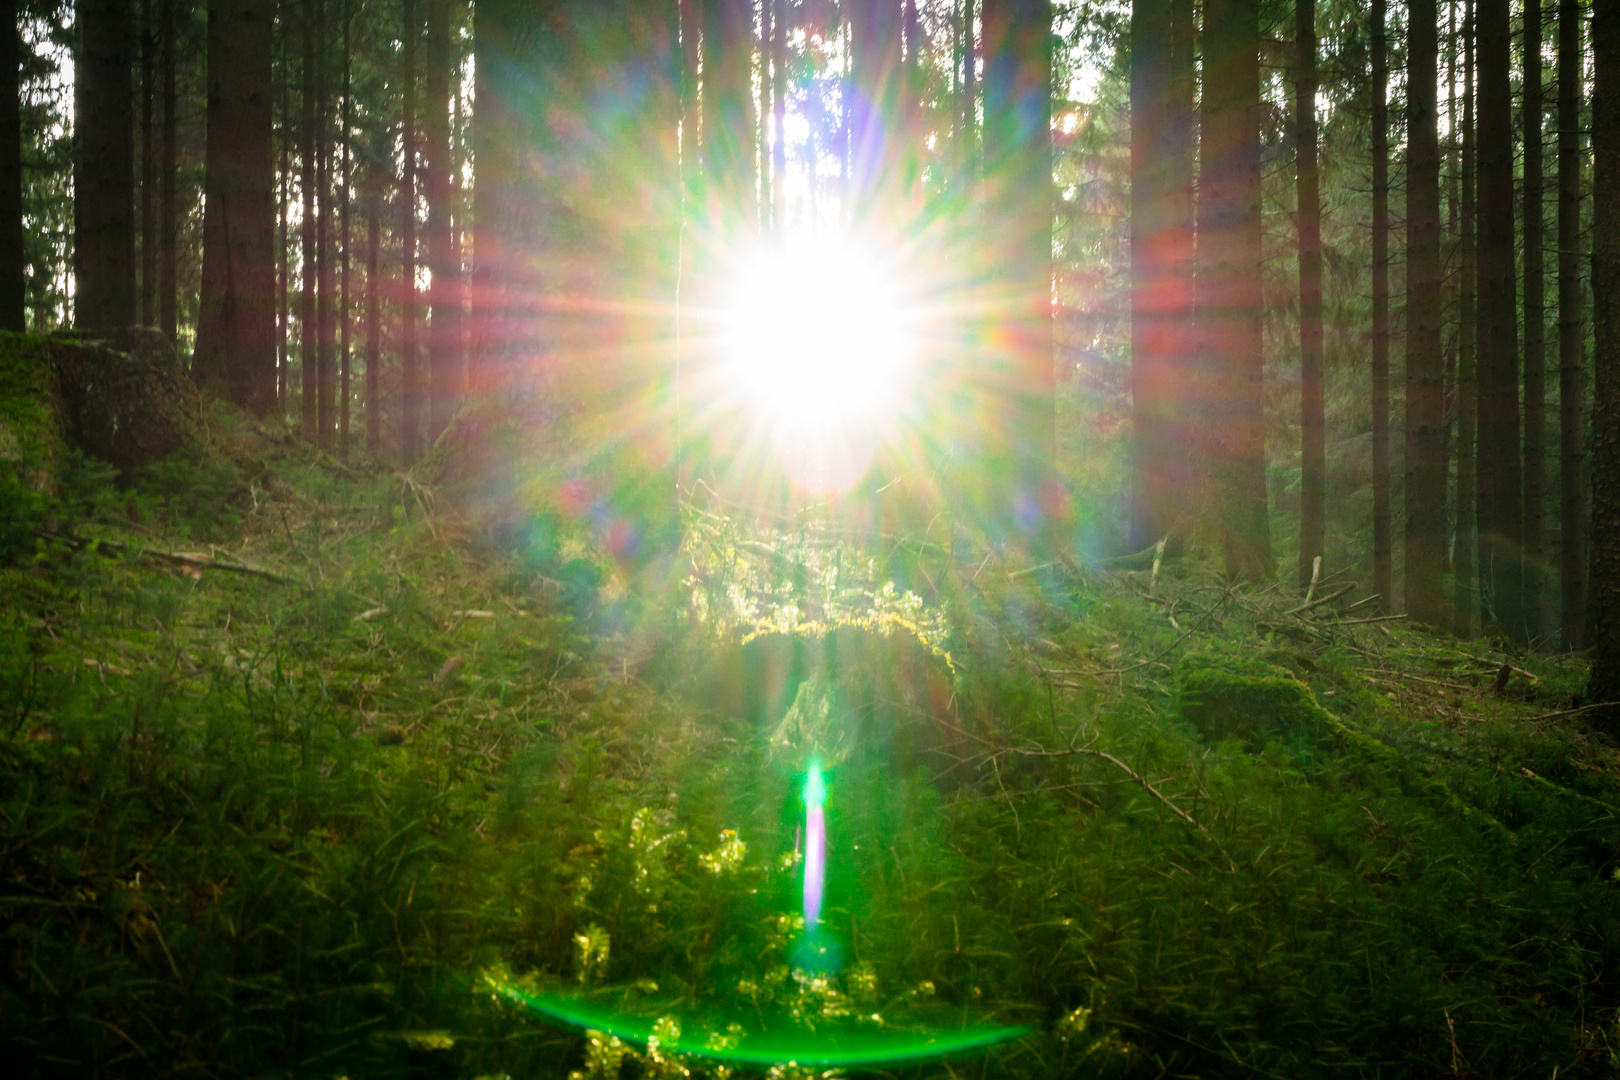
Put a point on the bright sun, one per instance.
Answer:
(819, 339)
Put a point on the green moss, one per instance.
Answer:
(30, 439)
(1235, 697)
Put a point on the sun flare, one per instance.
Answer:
(818, 339)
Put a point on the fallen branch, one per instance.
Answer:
(187, 559)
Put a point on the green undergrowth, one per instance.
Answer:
(299, 768)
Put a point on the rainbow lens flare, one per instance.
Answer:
(824, 1049)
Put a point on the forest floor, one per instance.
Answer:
(319, 769)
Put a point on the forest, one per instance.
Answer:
(810, 538)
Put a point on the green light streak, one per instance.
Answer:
(843, 1049)
(815, 786)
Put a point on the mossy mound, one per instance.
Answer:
(1227, 696)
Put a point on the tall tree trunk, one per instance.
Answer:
(1467, 600)
(411, 399)
(762, 140)
(325, 372)
(168, 205)
(1312, 406)
(148, 305)
(779, 73)
(875, 65)
(374, 208)
(1228, 287)
(1161, 240)
(1383, 558)
(1425, 483)
(283, 196)
(1535, 337)
(728, 123)
(1019, 214)
(104, 167)
(445, 307)
(308, 333)
(1448, 287)
(344, 320)
(969, 163)
(1572, 561)
(1604, 582)
(13, 256)
(236, 330)
(1502, 570)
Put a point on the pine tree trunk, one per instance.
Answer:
(779, 72)
(13, 256)
(728, 122)
(374, 206)
(445, 310)
(1467, 598)
(236, 353)
(1161, 237)
(1228, 284)
(343, 246)
(1313, 421)
(104, 167)
(1018, 185)
(325, 368)
(1571, 341)
(168, 204)
(1535, 338)
(148, 305)
(1501, 569)
(410, 394)
(283, 239)
(762, 139)
(1425, 483)
(1604, 581)
(1383, 560)
(968, 165)
(308, 333)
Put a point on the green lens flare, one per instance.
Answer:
(827, 1050)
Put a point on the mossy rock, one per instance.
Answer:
(1235, 697)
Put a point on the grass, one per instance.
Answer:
(305, 823)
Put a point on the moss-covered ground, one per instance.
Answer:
(299, 772)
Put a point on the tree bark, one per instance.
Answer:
(779, 73)
(1571, 339)
(235, 355)
(1383, 548)
(345, 202)
(1467, 597)
(1312, 405)
(1228, 287)
(1425, 483)
(1535, 337)
(13, 255)
(1161, 267)
(1019, 212)
(325, 369)
(168, 204)
(728, 123)
(308, 333)
(104, 168)
(149, 234)
(1604, 582)
(374, 207)
(1502, 512)
(283, 197)
(410, 394)
(445, 377)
